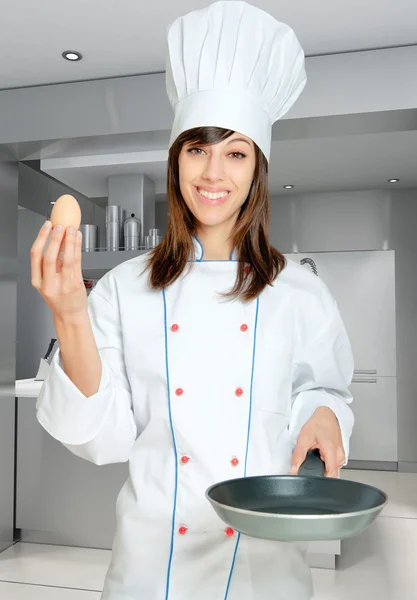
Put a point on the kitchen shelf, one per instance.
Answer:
(96, 264)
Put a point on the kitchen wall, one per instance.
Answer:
(368, 220)
(332, 221)
(161, 213)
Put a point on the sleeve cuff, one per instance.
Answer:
(311, 400)
(68, 415)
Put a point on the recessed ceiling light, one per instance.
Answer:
(287, 187)
(393, 180)
(72, 55)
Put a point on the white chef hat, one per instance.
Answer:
(234, 66)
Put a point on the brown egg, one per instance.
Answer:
(66, 212)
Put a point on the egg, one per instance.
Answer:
(66, 212)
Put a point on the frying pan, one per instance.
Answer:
(305, 507)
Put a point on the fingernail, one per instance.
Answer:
(79, 234)
(70, 230)
(47, 224)
(58, 228)
(293, 469)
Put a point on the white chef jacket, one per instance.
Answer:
(194, 390)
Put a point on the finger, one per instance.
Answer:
(78, 257)
(36, 253)
(51, 255)
(329, 453)
(68, 260)
(341, 459)
(300, 453)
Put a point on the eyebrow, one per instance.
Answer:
(238, 140)
(229, 142)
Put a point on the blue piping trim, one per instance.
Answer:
(215, 261)
(231, 259)
(174, 511)
(202, 249)
(247, 439)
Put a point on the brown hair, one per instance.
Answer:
(250, 236)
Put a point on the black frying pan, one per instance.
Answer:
(304, 507)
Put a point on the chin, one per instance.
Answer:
(210, 217)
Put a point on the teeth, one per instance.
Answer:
(212, 196)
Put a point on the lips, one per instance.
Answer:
(211, 201)
(212, 190)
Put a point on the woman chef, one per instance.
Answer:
(209, 357)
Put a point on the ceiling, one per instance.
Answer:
(128, 37)
(123, 38)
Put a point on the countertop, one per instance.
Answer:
(27, 388)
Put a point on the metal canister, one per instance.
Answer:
(132, 232)
(154, 238)
(91, 235)
(112, 227)
(122, 218)
(112, 213)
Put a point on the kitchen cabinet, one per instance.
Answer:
(363, 285)
(61, 498)
(374, 436)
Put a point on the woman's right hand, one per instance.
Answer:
(59, 282)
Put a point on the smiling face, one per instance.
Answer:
(215, 179)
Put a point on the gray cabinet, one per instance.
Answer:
(61, 498)
(363, 285)
(374, 436)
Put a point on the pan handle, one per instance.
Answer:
(313, 466)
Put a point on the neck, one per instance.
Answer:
(215, 241)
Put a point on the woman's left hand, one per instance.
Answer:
(321, 431)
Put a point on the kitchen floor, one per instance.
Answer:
(380, 563)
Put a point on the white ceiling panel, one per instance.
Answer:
(128, 37)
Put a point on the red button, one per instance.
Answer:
(174, 327)
(239, 392)
(234, 462)
(229, 532)
(179, 391)
(243, 327)
(185, 460)
(182, 530)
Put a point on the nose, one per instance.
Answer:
(213, 168)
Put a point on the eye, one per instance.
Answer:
(237, 155)
(191, 150)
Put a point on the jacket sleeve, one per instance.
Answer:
(100, 428)
(323, 364)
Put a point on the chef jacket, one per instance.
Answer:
(194, 390)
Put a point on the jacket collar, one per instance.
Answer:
(199, 251)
